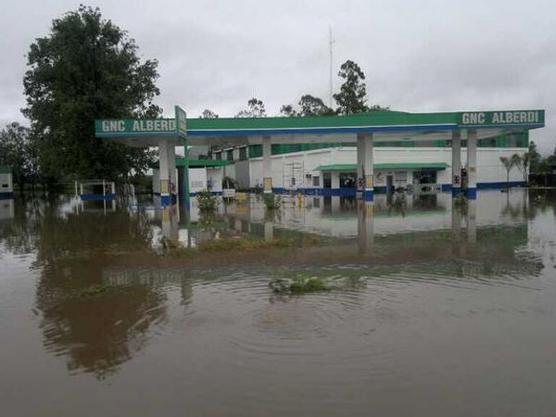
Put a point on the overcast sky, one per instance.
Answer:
(417, 55)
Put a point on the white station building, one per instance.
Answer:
(338, 155)
(333, 170)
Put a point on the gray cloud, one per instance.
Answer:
(418, 55)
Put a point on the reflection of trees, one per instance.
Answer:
(96, 332)
(398, 204)
(539, 201)
(533, 202)
(80, 233)
(425, 202)
(19, 235)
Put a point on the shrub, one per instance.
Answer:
(298, 285)
(207, 201)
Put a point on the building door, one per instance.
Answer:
(389, 183)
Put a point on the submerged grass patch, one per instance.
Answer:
(243, 244)
(308, 284)
(300, 284)
(305, 282)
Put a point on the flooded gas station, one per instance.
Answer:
(438, 306)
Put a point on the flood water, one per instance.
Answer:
(442, 308)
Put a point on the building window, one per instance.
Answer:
(316, 181)
(230, 155)
(327, 180)
(255, 151)
(218, 156)
(243, 154)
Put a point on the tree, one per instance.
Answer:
(288, 111)
(519, 162)
(509, 163)
(313, 106)
(208, 114)
(352, 97)
(16, 152)
(308, 106)
(255, 108)
(533, 156)
(86, 68)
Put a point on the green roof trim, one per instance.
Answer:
(5, 169)
(384, 166)
(377, 118)
(202, 163)
(372, 119)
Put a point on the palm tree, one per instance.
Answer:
(508, 165)
(524, 166)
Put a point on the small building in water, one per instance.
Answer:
(6, 182)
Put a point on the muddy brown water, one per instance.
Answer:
(440, 308)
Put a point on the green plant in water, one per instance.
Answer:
(299, 285)
(272, 201)
(207, 201)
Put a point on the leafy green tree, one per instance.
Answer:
(378, 107)
(288, 111)
(208, 114)
(313, 106)
(255, 108)
(308, 106)
(86, 68)
(534, 157)
(16, 151)
(352, 97)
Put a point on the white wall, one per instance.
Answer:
(197, 179)
(7, 209)
(6, 183)
(215, 176)
(489, 167)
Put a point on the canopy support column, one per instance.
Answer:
(365, 171)
(267, 164)
(172, 175)
(185, 185)
(456, 162)
(164, 171)
(472, 164)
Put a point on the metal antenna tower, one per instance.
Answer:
(330, 83)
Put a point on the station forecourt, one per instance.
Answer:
(365, 131)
